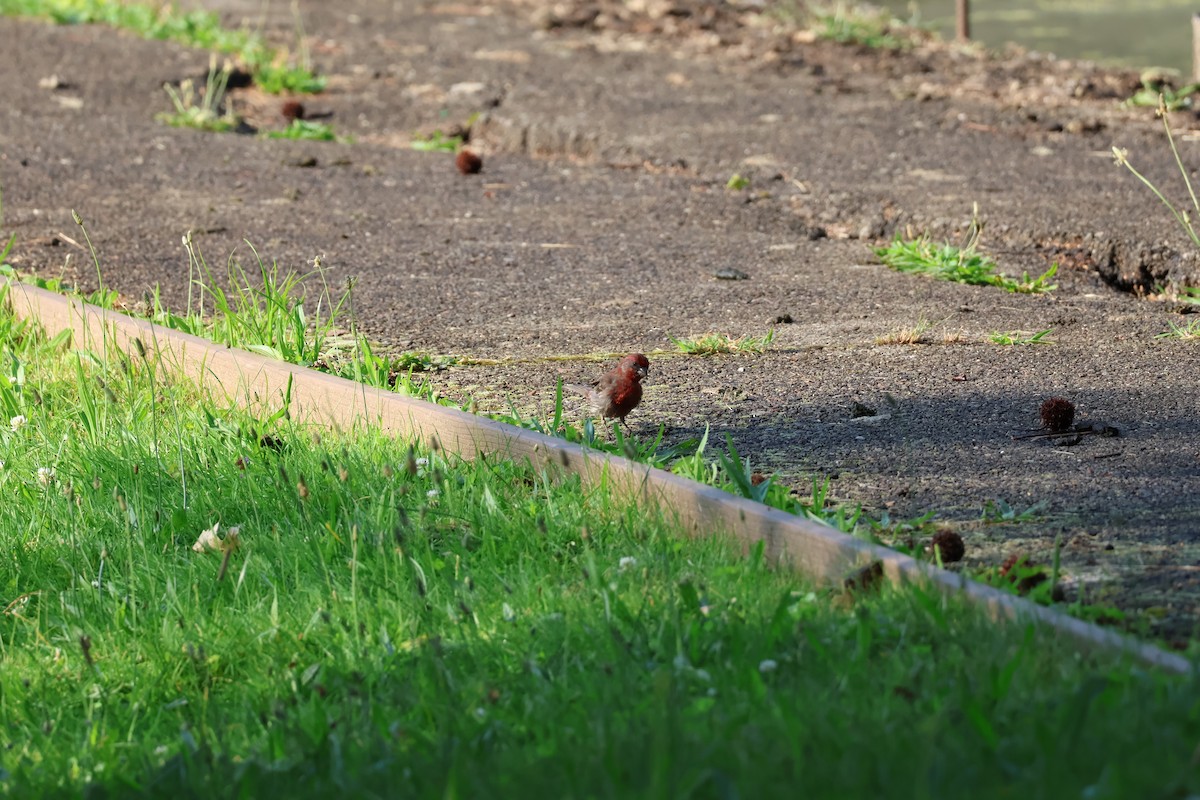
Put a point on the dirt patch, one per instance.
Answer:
(601, 218)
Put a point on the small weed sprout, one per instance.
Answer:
(711, 344)
(959, 264)
(205, 110)
(859, 24)
(954, 337)
(305, 130)
(1020, 337)
(271, 68)
(912, 335)
(436, 142)
(280, 78)
(1000, 512)
(1156, 92)
(1187, 332)
(1188, 294)
(1182, 216)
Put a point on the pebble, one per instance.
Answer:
(730, 274)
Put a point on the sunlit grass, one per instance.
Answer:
(375, 614)
(1021, 337)
(392, 615)
(711, 344)
(1188, 331)
(305, 130)
(200, 109)
(272, 68)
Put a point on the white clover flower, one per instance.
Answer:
(626, 562)
(422, 462)
(45, 475)
(768, 665)
(17, 422)
(432, 493)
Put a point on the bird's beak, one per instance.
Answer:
(641, 371)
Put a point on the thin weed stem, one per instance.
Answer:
(1121, 158)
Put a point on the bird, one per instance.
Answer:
(617, 392)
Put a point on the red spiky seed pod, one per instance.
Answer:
(1057, 414)
(949, 544)
(292, 110)
(468, 163)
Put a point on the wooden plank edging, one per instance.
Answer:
(814, 549)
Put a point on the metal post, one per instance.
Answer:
(1196, 47)
(963, 19)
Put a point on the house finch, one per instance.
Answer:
(618, 391)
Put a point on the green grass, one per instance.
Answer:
(710, 344)
(911, 335)
(1187, 331)
(1155, 91)
(959, 264)
(1182, 216)
(264, 309)
(1189, 294)
(8, 246)
(737, 183)
(1020, 337)
(269, 311)
(393, 616)
(1000, 511)
(850, 23)
(436, 142)
(306, 130)
(207, 110)
(271, 68)
(202, 110)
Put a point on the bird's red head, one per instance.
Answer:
(638, 363)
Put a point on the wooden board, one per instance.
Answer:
(261, 384)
